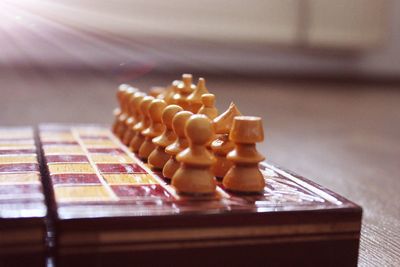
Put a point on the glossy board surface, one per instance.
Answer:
(22, 200)
(107, 201)
(103, 173)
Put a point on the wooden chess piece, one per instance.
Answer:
(178, 125)
(208, 108)
(157, 91)
(194, 99)
(169, 92)
(172, 91)
(155, 128)
(144, 123)
(221, 146)
(185, 88)
(158, 157)
(118, 111)
(245, 176)
(125, 111)
(194, 175)
(134, 106)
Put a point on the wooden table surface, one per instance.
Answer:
(343, 136)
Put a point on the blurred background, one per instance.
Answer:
(318, 37)
(323, 74)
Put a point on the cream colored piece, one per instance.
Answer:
(121, 124)
(184, 89)
(134, 107)
(118, 111)
(144, 123)
(157, 92)
(194, 175)
(158, 158)
(194, 99)
(155, 128)
(221, 146)
(178, 125)
(208, 108)
(245, 176)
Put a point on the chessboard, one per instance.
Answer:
(109, 206)
(172, 182)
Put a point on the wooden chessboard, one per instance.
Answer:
(22, 205)
(108, 207)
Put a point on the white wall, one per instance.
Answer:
(241, 36)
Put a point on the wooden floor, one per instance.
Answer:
(345, 137)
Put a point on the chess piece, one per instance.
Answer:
(120, 131)
(208, 108)
(134, 106)
(155, 128)
(221, 146)
(157, 91)
(184, 89)
(194, 175)
(245, 176)
(194, 99)
(118, 111)
(169, 92)
(138, 138)
(172, 91)
(158, 158)
(178, 125)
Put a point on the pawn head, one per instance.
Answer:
(121, 89)
(156, 109)
(145, 103)
(179, 122)
(169, 113)
(199, 129)
(135, 101)
(128, 93)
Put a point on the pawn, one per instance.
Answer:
(208, 108)
(221, 146)
(134, 106)
(171, 92)
(118, 111)
(194, 175)
(120, 131)
(144, 123)
(178, 125)
(245, 176)
(156, 127)
(194, 99)
(158, 158)
(185, 88)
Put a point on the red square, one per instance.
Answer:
(17, 190)
(75, 179)
(19, 167)
(17, 151)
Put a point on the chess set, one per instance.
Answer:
(172, 182)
